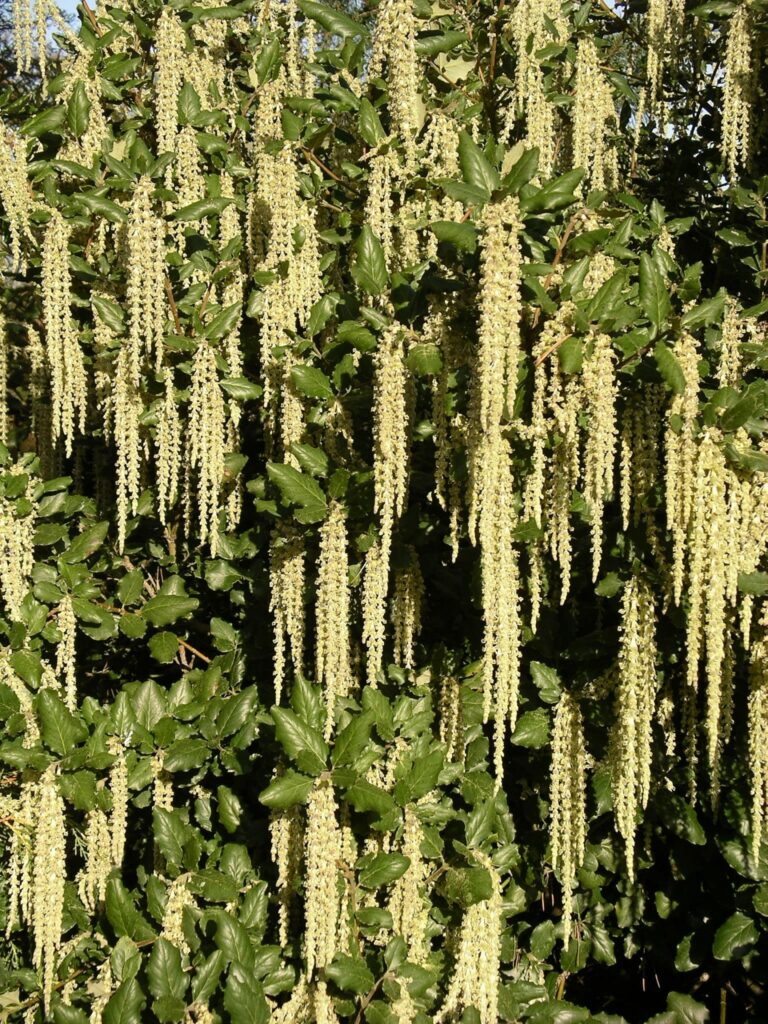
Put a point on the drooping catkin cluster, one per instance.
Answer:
(475, 980)
(323, 853)
(757, 733)
(599, 395)
(118, 789)
(127, 409)
(286, 832)
(664, 22)
(407, 596)
(535, 24)
(17, 557)
(178, 899)
(333, 667)
(568, 822)
(407, 903)
(169, 76)
(168, 447)
(738, 94)
(92, 880)
(287, 557)
(15, 193)
(207, 441)
(66, 662)
(69, 384)
(631, 740)
(21, 854)
(731, 355)
(392, 401)
(394, 47)
(48, 879)
(146, 280)
(26, 705)
(594, 119)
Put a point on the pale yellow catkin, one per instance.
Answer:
(322, 857)
(118, 789)
(178, 899)
(739, 89)
(407, 597)
(48, 879)
(568, 822)
(631, 740)
(476, 975)
(594, 119)
(287, 845)
(757, 733)
(379, 206)
(207, 433)
(168, 447)
(287, 557)
(26, 704)
(600, 394)
(394, 52)
(66, 662)
(92, 880)
(169, 76)
(731, 336)
(15, 193)
(374, 604)
(565, 402)
(69, 384)
(664, 22)
(333, 668)
(146, 296)
(127, 409)
(407, 902)
(17, 555)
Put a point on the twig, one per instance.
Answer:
(92, 18)
(368, 998)
(309, 155)
(172, 304)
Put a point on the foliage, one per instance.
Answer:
(360, 364)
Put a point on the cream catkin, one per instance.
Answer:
(17, 557)
(287, 845)
(475, 980)
(631, 747)
(757, 733)
(168, 448)
(738, 92)
(118, 788)
(600, 391)
(407, 596)
(92, 880)
(69, 384)
(394, 45)
(568, 822)
(287, 558)
(66, 663)
(15, 193)
(332, 651)
(127, 409)
(409, 909)
(206, 440)
(169, 76)
(146, 280)
(322, 857)
(49, 877)
(594, 119)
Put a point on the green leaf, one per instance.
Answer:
(350, 973)
(522, 171)
(353, 738)
(370, 123)
(310, 381)
(654, 297)
(244, 998)
(49, 120)
(475, 167)
(383, 869)
(240, 389)
(753, 583)
(286, 790)
(224, 322)
(104, 207)
(109, 313)
(669, 367)
(164, 647)
(707, 312)
(85, 544)
(202, 208)
(205, 980)
(168, 833)
(738, 414)
(331, 20)
(189, 104)
(164, 971)
(299, 489)
(531, 730)
(78, 110)
(300, 741)
(554, 195)
(183, 755)
(311, 459)
(369, 269)
(123, 915)
(163, 609)
(420, 778)
(735, 937)
(463, 236)
(125, 1004)
(59, 728)
(431, 43)
(425, 359)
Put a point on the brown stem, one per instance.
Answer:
(309, 155)
(172, 304)
(368, 998)
(92, 18)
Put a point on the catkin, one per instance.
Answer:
(92, 880)
(407, 596)
(17, 557)
(757, 733)
(409, 909)
(568, 822)
(594, 119)
(287, 845)
(15, 193)
(206, 439)
(631, 748)
(287, 557)
(69, 385)
(322, 856)
(66, 664)
(127, 409)
(738, 92)
(49, 877)
(146, 280)
(394, 46)
(475, 980)
(332, 652)
(118, 788)
(169, 76)
(600, 391)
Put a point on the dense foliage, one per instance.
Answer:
(384, 513)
